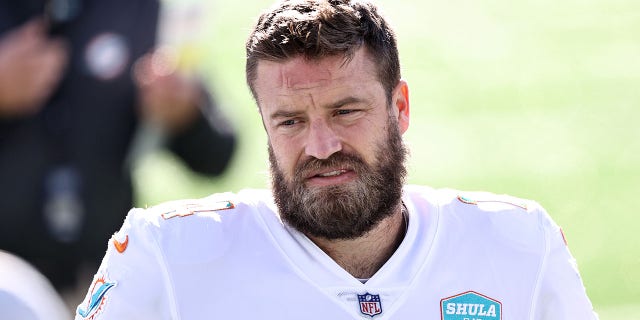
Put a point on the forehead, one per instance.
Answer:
(299, 73)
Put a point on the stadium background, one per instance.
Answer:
(535, 98)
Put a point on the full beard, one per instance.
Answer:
(344, 211)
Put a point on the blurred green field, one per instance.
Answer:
(534, 98)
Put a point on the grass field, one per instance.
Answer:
(534, 98)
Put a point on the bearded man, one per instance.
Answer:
(339, 235)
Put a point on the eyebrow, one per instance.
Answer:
(285, 114)
(335, 105)
(340, 103)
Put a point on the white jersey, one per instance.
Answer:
(465, 256)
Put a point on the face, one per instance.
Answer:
(334, 143)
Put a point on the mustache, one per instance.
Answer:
(338, 159)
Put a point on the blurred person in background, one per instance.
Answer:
(77, 79)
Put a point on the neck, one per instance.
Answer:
(364, 256)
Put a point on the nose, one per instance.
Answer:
(322, 141)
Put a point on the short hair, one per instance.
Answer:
(315, 29)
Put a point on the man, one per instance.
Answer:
(338, 236)
(69, 110)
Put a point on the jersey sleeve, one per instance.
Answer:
(131, 282)
(561, 293)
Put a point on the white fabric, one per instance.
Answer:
(243, 263)
(26, 294)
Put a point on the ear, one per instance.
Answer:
(400, 105)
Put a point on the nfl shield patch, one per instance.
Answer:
(470, 305)
(370, 304)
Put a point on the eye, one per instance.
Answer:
(345, 112)
(289, 123)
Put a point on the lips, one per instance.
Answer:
(332, 173)
(330, 177)
(337, 169)
(327, 173)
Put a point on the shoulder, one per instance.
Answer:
(185, 228)
(212, 209)
(473, 202)
(487, 215)
(138, 268)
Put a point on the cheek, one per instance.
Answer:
(285, 154)
(364, 139)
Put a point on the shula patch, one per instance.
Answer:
(470, 305)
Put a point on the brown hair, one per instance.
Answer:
(319, 28)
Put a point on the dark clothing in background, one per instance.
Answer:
(74, 150)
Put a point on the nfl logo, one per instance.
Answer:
(370, 304)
